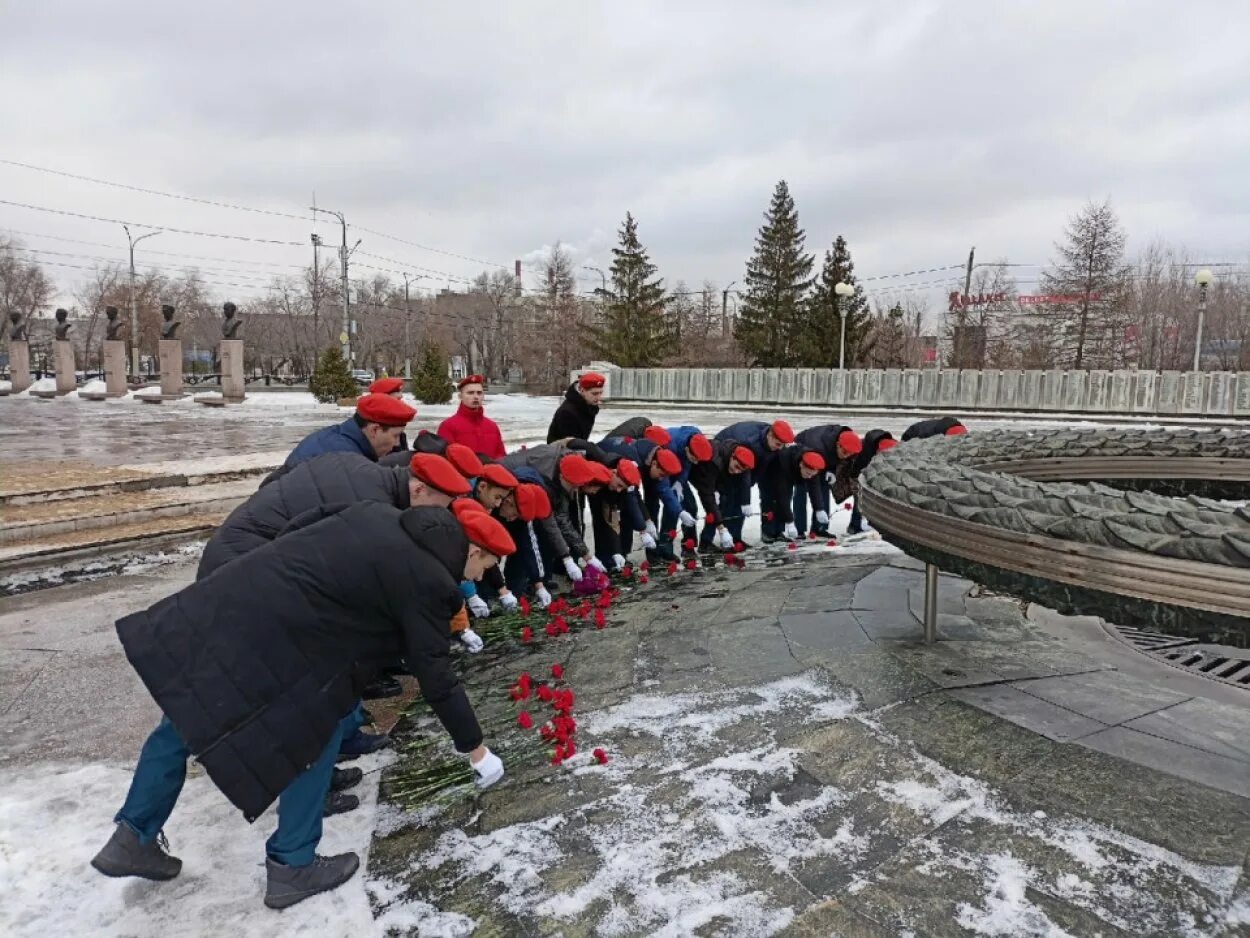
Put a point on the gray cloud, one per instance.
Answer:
(914, 129)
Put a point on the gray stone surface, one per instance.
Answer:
(1109, 697)
(1032, 713)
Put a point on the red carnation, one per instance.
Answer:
(524, 720)
(672, 568)
(527, 634)
(739, 546)
(645, 565)
(558, 756)
(846, 506)
(792, 546)
(600, 756)
(552, 630)
(769, 515)
(671, 534)
(570, 749)
(688, 543)
(709, 518)
(604, 600)
(583, 610)
(644, 579)
(557, 671)
(627, 571)
(547, 731)
(525, 606)
(692, 564)
(545, 693)
(600, 621)
(832, 542)
(812, 535)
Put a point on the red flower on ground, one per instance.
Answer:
(527, 634)
(645, 565)
(557, 757)
(812, 535)
(672, 568)
(644, 579)
(671, 534)
(552, 629)
(524, 720)
(547, 731)
(692, 564)
(570, 749)
(583, 610)
(688, 543)
(600, 621)
(545, 693)
(832, 542)
(557, 671)
(792, 546)
(739, 546)
(710, 518)
(605, 600)
(627, 571)
(525, 606)
(600, 756)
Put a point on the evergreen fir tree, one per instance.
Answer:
(778, 278)
(331, 380)
(430, 384)
(819, 338)
(635, 331)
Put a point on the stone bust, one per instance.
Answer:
(18, 332)
(169, 328)
(63, 325)
(230, 325)
(114, 326)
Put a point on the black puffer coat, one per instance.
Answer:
(633, 428)
(924, 429)
(572, 418)
(872, 442)
(256, 664)
(334, 479)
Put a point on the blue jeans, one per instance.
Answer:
(162, 770)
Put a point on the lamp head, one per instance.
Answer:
(1204, 277)
(843, 289)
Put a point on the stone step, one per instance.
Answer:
(57, 547)
(23, 483)
(38, 521)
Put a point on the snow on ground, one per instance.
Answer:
(87, 569)
(53, 819)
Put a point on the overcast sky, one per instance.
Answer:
(492, 130)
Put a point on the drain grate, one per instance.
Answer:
(1217, 662)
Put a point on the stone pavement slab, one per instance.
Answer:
(1198, 765)
(1106, 696)
(1203, 724)
(1032, 713)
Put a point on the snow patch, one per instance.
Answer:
(1006, 910)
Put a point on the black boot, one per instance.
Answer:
(288, 885)
(343, 779)
(339, 803)
(123, 855)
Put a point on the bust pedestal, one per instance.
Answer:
(232, 370)
(19, 364)
(114, 368)
(171, 367)
(66, 366)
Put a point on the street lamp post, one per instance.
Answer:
(1203, 278)
(134, 308)
(840, 290)
(724, 308)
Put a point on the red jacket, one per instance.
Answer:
(475, 430)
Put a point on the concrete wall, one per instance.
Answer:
(1210, 393)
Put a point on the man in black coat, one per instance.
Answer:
(875, 441)
(723, 484)
(793, 469)
(256, 666)
(838, 445)
(575, 417)
(938, 426)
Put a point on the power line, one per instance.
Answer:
(119, 221)
(118, 247)
(213, 283)
(119, 261)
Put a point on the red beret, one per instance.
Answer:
(464, 459)
(627, 469)
(386, 386)
(668, 461)
(745, 456)
(532, 502)
(783, 431)
(471, 379)
(467, 506)
(580, 471)
(657, 435)
(701, 447)
(849, 440)
(438, 473)
(486, 532)
(498, 475)
(956, 430)
(385, 410)
(813, 460)
(888, 443)
(591, 380)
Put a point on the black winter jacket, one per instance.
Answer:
(558, 529)
(712, 475)
(872, 442)
(924, 429)
(785, 475)
(257, 663)
(633, 428)
(334, 479)
(572, 418)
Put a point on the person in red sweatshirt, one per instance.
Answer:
(470, 425)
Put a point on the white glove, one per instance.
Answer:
(543, 597)
(792, 532)
(723, 539)
(650, 529)
(648, 540)
(748, 511)
(478, 607)
(618, 561)
(686, 519)
(677, 490)
(572, 569)
(472, 640)
(822, 518)
(489, 769)
(597, 564)
(830, 478)
(507, 600)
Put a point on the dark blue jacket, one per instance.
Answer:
(346, 437)
(642, 452)
(680, 440)
(753, 435)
